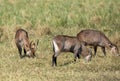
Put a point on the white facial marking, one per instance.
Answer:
(56, 46)
(113, 49)
(28, 52)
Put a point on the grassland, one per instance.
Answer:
(43, 19)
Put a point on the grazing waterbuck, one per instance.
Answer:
(96, 38)
(22, 42)
(63, 43)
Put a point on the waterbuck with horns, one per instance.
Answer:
(63, 43)
(22, 42)
(96, 38)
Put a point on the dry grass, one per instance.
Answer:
(43, 19)
(40, 31)
(13, 68)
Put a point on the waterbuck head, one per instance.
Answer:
(114, 49)
(33, 47)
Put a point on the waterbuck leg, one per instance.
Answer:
(79, 52)
(20, 51)
(34, 55)
(76, 54)
(103, 49)
(54, 60)
(24, 52)
(95, 50)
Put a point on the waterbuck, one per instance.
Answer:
(96, 38)
(22, 42)
(63, 43)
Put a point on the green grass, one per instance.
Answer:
(43, 19)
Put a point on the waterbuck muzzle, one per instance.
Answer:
(115, 50)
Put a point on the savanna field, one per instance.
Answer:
(44, 19)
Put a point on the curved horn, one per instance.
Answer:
(37, 44)
(31, 43)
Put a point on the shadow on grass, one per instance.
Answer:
(27, 56)
(68, 63)
(101, 56)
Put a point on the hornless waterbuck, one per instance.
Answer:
(63, 43)
(96, 38)
(22, 42)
